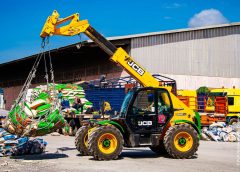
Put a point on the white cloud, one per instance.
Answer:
(207, 17)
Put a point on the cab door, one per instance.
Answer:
(142, 114)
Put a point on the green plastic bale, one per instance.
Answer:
(58, 125)
(79, 88)
(59, 87)
(67, 89)
(81, 96)
(43, 112)
(44, 128)
(55, 116)
(88, 103)
(44, 107)
(76, 112)
(13, 115)
(45, 125)
(71, 101)
(43, 96)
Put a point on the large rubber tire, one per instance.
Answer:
(96, 143)
(176, 147)
(160, 149)
(81, 138)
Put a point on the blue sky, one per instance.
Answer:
(22, 20)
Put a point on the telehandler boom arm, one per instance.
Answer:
(117, 55)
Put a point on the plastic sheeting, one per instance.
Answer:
(12, 145)
(221, 132)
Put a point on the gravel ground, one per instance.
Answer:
(61, 155)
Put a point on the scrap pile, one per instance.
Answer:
(12, 145)
(221, 132)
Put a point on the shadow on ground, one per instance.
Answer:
(137, 154)
(65, 149)
(42, 156)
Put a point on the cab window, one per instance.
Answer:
(230, 100)
(164, 105)
(144, 103)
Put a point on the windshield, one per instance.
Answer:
(125, 103)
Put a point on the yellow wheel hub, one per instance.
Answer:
(183, 141)
(107, 143)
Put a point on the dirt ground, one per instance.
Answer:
(61, 155)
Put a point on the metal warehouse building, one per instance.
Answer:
(206, 56)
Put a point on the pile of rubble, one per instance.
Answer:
(12, 145)
(221, 132)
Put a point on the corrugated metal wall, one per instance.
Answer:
(208, 52)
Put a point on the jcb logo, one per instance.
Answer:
(135, 67)
(144, 123)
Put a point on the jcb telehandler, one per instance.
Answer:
(150, 116)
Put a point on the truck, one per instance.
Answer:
(221, 105)
(150, 116)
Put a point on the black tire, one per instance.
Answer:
(94, 139)
(233, 121)
(171, 148)
(79, 140)
(160, 149)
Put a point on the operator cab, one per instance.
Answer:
(146, 111)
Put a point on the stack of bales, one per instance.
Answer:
(35, 117)
(69, 92)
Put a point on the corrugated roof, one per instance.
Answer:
(173, 31)
(134, 36)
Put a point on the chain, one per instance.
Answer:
(55, 100)
(80, 41)
(46, 71)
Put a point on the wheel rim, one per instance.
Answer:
(183, 141)
(85, 140)
(107, 143)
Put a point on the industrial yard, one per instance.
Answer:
(153, 88)
(61, 156)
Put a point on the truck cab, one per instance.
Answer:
(225, 101)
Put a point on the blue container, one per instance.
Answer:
(114, 96)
